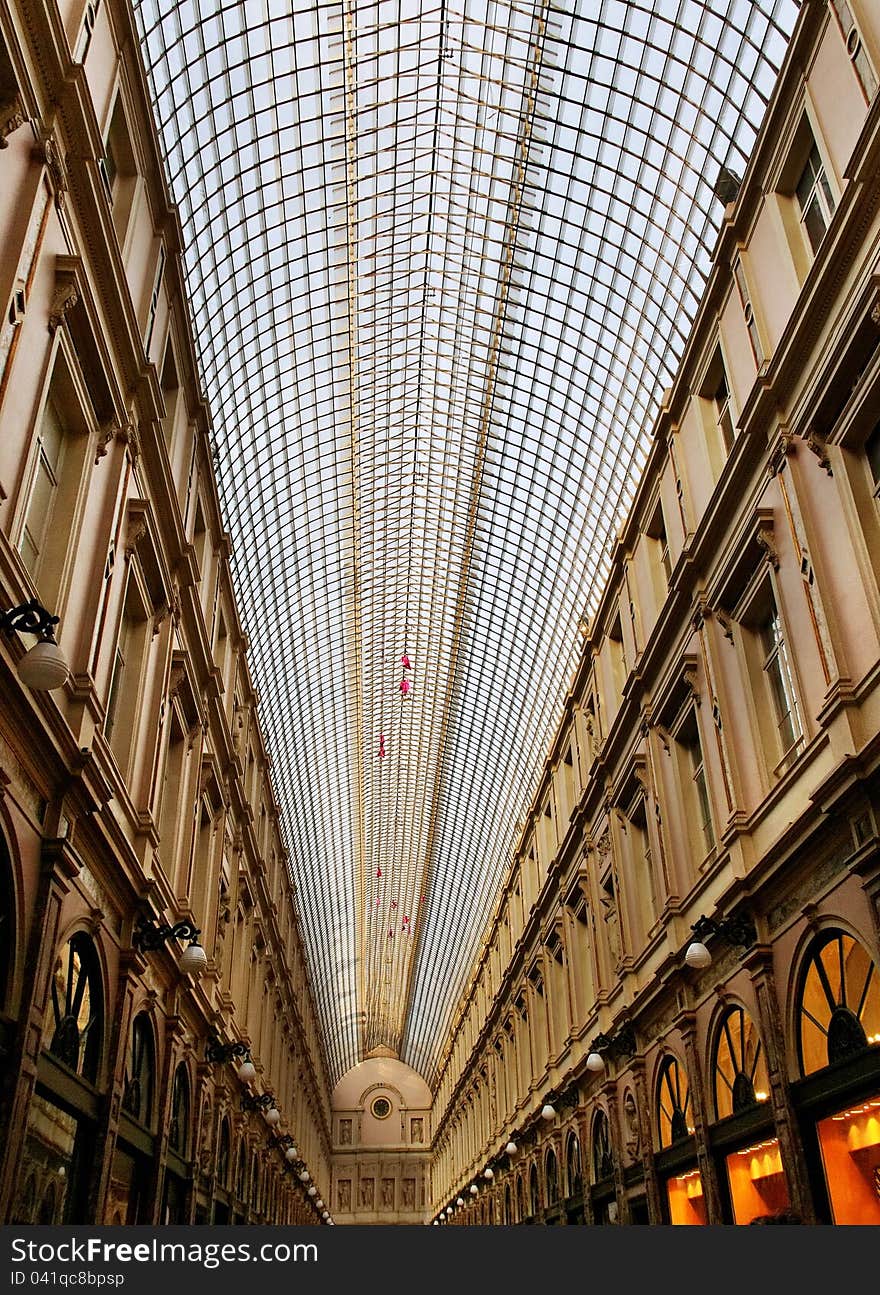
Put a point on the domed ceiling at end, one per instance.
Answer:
(441, 259)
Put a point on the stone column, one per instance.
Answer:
(609, 1090)
(646, 1142)
(686, 1023)
(759, 964)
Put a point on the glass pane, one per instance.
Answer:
(757, 1182)
(850, 1143)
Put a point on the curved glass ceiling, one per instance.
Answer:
(442, 259)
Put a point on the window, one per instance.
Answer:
(814, 198)
(127, 676)
(170, 394)
(838, 1005)
(872, 454)
(54, 489)
(855, 48)
(178, 1129)
(740, 1068)
(75, 1017)
(673, 1102)
(551, 1178)
(780, 681)
(154, 301)
(534, 1192)
(603, 1160)
(749, 314)
(137, 1097)
(573, 1175)
(223, 1154)
(656, 530)
(717, 410)
(119, 169)
(693, 777)
(85, 34)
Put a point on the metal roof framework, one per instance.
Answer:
(442, 258)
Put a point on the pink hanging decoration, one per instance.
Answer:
(390, 935)
(404, 661)
(381, 745)
(378, 872)
(404, 686)
(406, 919)
(394, 903)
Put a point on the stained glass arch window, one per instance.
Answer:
(838, 1001)
(75, 1013)
(739, 1065)
(673, 1102)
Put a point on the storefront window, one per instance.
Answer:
(850, 1143)
(839, 1007)
(740, 1068)
(49, 1178)
(685, 1197)
(757, 1181)
(603, 1163)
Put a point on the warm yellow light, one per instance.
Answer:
(761, 1096)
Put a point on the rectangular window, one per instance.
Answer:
(814, 198)
(749, 314)
(855, 48)
(656, 530)
(54, 487)
(696, 791)
(780, 681)
(723, 417)
(126, 680)
(154, 300)
(119, 169)
(872, 454)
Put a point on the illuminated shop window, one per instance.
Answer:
(850, 1143)
(673, 1103)
(573, 1174)
(740, 1066)
(685, 1196)
(838, 1003)
(757, 1181)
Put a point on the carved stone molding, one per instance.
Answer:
(49, 153)
(64, 298)
(12, 115)
(817, 446)
(764, 540)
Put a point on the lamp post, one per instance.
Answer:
(43, 667)
(148, 937)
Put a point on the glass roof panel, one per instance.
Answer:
(442, 259)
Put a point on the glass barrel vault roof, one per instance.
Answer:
(441, 261)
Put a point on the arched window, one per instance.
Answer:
(255, 1184)
(241, 1173)
(534, 1192)
(739, 1066)
(520, 1210)
(603, 1160)
(574, 1182)
(551, 1178)
(223, 1154)
(75, 1023)
(673, 1102)
(140, 1071)
(178, 1129)
(508, 1206)
(838, 1004)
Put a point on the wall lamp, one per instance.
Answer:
(620, 1044)
(44, 666)
(738, 932)
(148, 937)
(265, 1102)
(218, 1053)
(286, 1143)
(511, 1148)
(489, 1174)
(473, 1189)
